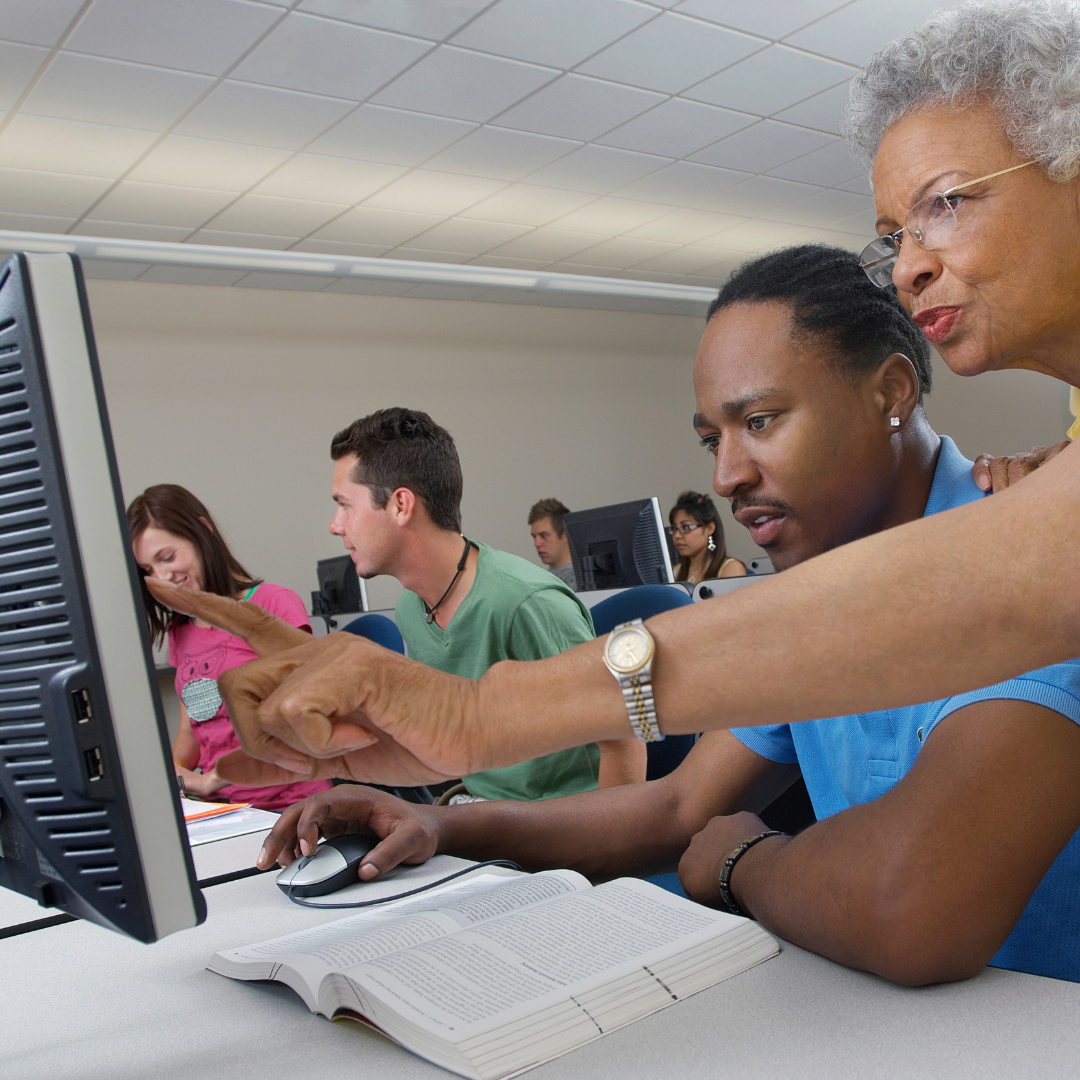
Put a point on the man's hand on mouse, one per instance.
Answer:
(408, 833)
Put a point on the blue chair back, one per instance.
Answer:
(643, 603)
(377, 628)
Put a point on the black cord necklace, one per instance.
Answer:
(429, 612)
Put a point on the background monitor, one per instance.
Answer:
(340, 589)
(617, 546)
(90, 817)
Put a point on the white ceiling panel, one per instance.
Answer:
(336, 247)
(547, 245)
(463, 84)
(244, 113)
(319, 56)
(757, 196)
(126, 230)
(173, 35)
(366, 225)
(578, 108)
(830, 165)
(501, 153)
(192, 275)
(822, 111)
(772, 20)
(24, 191)
(600, 169)
(677, 128)
(266, 213)
(762, 147)
(682, 183)
(671, 53)
(161, 204)
(113, 92)
(860, 184)
(620, 252)
(681, 260)
(755, 236)
(242, 240)
(684, 226)
(474, 237)
(432, 19)
(189, 162)
(436, 192)
(771, 80)
(508, 264)
(36, 223)
(38, 142)
(823, 208)
(327, 179)
(419, 254)
(527, 204)
(864, 223)
(559, 33)
(393, 136)
(610, 215)
(38, 23)
(18, 65)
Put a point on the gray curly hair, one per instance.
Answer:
(1022, 56)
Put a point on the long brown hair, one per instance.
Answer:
(703, 510)
(177, 511)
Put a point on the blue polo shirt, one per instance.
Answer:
(848, 760)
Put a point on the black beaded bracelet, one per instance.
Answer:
(726, 898)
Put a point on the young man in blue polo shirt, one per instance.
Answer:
(946, 837)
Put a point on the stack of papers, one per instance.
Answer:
(208, 821)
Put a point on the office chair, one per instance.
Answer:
(644, 602)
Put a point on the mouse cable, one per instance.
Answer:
(411, 892)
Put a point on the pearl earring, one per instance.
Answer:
(894, 421)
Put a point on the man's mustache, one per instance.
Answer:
(738, 504)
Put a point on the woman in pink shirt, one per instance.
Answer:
(175, 538)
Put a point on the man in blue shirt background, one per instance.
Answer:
(946, 832)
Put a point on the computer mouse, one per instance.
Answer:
(334, 865)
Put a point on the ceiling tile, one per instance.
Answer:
(463, 84)
(560, 33)
(327, 179)
(38, 142)
(671, 53)
(684, 226)
(755, 236)
(677, 128)
(178, 159)
(858, 30)
(578, 108)
(392, 136)
(366, 225)
(547, 245)
(755, 196)
(769, 81)
(830, 165)
(713, 276)
(506, 263)
(437, 193)
(612, 216)
(600, 169)
(682, 183)
(18, 65)
(432, 19)
(241, 112)
(526, 204)
(459, 234)
(25, 191)
(772, 20)
(762, 147)
(849, 241)
(35, 223)
(418, 254)
(112, 92)
(501, 153)
(198, 35)
(240, 240)
(37, 23)
(122, 230)
(822, 111)
(864, 222)
(860, 184)
(319, 56)
(621, 252)
(192, 275)
(824, 208)
(293, 282)
(273, 216)
(683, 260)
(336, 247)
(161, 204)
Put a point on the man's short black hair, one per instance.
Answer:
(831, 297)
(405, 448)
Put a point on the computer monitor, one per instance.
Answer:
(621, 545)
(90, 818)
(340, 589)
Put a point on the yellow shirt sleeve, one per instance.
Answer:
(1074, 408)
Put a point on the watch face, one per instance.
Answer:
(629, 650)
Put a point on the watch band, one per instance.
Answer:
(638, 695)
(730, 903)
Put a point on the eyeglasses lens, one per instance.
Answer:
(932, 221)
(878, 259)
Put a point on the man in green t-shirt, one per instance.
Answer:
(398, 485)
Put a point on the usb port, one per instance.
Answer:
(83, 713)
(94, 765)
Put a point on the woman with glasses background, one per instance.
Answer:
(698, 536)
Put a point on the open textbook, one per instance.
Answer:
(500, 974)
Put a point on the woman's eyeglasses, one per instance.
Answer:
(686, 527)
(931, 223)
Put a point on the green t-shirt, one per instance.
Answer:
(514, 611)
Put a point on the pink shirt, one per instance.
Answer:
(200, 655)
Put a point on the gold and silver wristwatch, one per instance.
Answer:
(628, 655)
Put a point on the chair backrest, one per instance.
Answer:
(377, 628)
(643, 603)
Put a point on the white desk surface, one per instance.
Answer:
(80, 1003)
